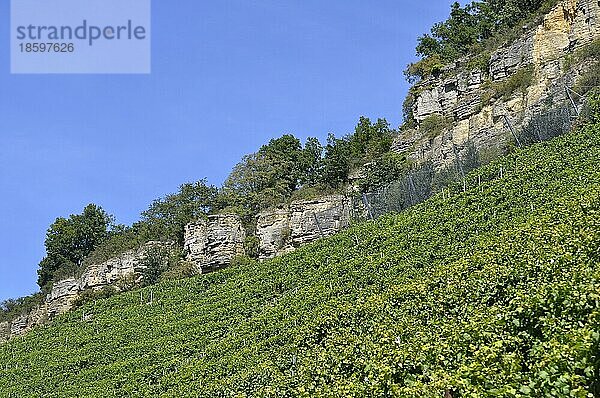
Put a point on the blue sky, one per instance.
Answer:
(227, 76)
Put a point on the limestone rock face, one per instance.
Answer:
(462, 96)
(273, 232)
(19, 325)
(314, 219)
(283, 230)
(97, 276)
(507, 60)
(62, 296)
(64, 293)
(428, 103)
(214, 242)
(24, 323)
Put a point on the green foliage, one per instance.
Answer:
(311, 162)
(337, 161)
(450, 39)
(310, 192)
(251, 246)
(493, 292)
(424, 68)
(269, 177)
(369, 141)
(180, 270)
(589, 80)
(89, 295)
(469, 26)
(166, 218)
(408, 109)
(434, 125)
(591, 109)
(590, 52)
(69, 241)
(377, 174)
(480, 62)
(284, 169)
(519, 81)
(473, 29)
(12, 308)
(120, 239)
(157, 261)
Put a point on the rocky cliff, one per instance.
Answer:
(520, 79)
(214, 242)
(64, 293)
(210, 244)
(285, 229)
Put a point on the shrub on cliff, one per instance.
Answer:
(269, 176)
(12, 308)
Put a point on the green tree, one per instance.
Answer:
(369, 141)
(337, 160)
(269, 176)
(69, 241)
(466, 30)
(166, 218)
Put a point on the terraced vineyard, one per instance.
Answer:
(490, 292)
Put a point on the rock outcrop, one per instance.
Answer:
(62, 296)
(25, 322)
(64, 293)
(273, 232)
(465, 96)
(212, 243)
(130, 263)
(283, 230)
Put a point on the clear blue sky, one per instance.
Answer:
(226, 77)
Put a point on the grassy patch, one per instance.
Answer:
(519, 81)
(434, 125)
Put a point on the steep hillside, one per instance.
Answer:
(490, 292)
(495, 74)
